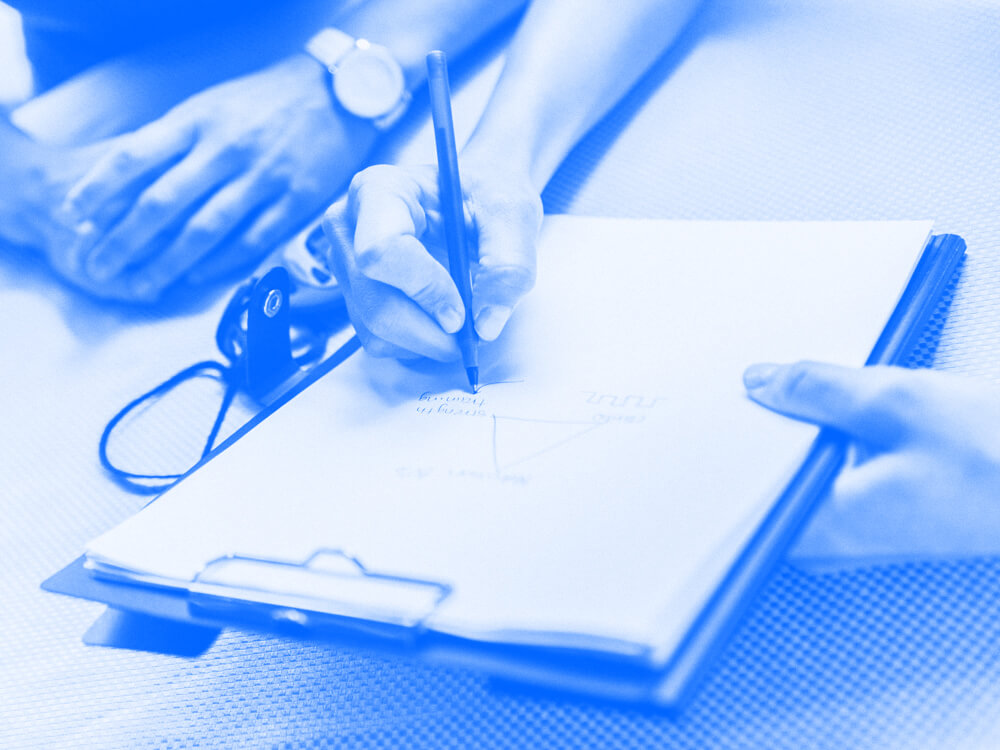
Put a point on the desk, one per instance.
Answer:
(822, 109)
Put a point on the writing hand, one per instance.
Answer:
(925, 481)
(389, 256)
(240, 165)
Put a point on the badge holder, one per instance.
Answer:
(273, 334)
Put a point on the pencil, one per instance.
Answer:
(450, 189)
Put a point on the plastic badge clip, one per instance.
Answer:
(270, 367)
(330, 589)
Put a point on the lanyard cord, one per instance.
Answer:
(155, 483)
(230, 337)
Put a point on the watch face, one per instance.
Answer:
(368, 82)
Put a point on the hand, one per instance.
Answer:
(926, 479)
(389, 256)
(240, 165)
(35, 178)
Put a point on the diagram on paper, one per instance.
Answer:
(517, 440)
(513, 441)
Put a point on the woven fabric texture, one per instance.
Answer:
(818, 109)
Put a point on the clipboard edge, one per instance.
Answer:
(671, 687)
(938, 262)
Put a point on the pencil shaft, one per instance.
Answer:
(450, 189)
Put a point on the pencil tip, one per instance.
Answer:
(473, 373)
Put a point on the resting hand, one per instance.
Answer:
(389, 256)
(926, 479)
(34, 179)
(246, 161)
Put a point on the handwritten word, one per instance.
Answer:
(453, 398)
(456, 411)
(424, 472)
(619, 418)
(619, 402)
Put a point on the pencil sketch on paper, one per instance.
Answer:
(520, 439)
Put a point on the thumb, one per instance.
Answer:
(879, 405)
(507, 235)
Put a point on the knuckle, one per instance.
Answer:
(200, 233)
(335, 213)
(371, 256)
(378, 348)
(306, 188)
(219, 220)
(427, 294)
(521, 207)
(382, 179)
(237, 151)
(153, 206)
(372, 176)
(898, 395)
(379, 323)
(799, 383)
(122, 160)
(514, 278)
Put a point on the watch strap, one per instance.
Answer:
(330, 45)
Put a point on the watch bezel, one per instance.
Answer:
(341, 80)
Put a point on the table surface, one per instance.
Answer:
(823, 109)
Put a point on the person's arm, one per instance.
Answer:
(925, 479)
(246, 162)
(567, 66)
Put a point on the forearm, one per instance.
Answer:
(568, 65)
(412, 29)
(17, 154)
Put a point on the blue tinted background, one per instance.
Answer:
(828, 109)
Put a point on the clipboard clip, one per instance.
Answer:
(329, 589)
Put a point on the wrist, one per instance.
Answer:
(365, 78)
(509, 150)
(21, 154)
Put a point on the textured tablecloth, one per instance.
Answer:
(824, 109)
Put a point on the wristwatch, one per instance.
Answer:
(367, 80)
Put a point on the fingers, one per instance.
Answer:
(385, 244)
(280, 221)
(275, 224)
(874, 514)
(236, 256)
(160, 205)
(391, 316)
(383, 315)
(206, 230)
(150, 149)
(507, 234)
(879, 405)
(389, 217)
(381, 348)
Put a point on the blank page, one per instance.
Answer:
(596, 489)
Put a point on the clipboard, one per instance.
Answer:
(227, 591)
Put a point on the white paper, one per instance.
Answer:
(595, 491)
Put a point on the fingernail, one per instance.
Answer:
(99, 268)
(491, 321)
(757, 376)
(144, 290)
(69, 213)
(450, 319)
(83, 239)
